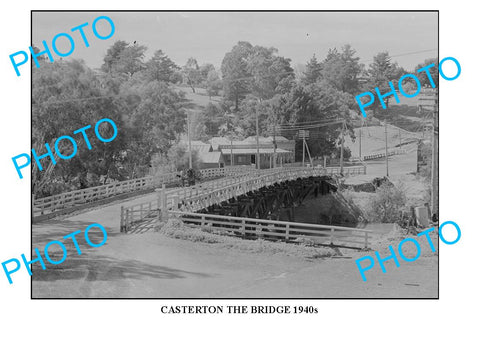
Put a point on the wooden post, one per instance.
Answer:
(175, 202)
(125, 228)
(287, 232)
(121, 219)
(332, 230)
(366, 240)
(203, 222)
(243, 229)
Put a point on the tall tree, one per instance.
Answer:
(380, 72)
(213, 84)
(66, 96)
(342, 69)
(191, 73)
(236, 77)
(160, 67)
(423, 77)
(267, 70)
(124, 58)
(313, 71)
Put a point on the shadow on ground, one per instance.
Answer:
(104, 268)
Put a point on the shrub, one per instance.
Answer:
(387, 204)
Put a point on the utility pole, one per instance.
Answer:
(386, 145)
(341, 149)
(257, 159)
(231, 151)
(303, 149)
(189, 142)
(360, 142)
(274, 145)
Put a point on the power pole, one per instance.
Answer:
(274, 145)
(360, 143)
(341, 149)
(386, 145)
(189, 142)
(231, 151)
(303, 149)
(257, 159)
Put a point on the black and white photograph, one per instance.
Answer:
(234, 154)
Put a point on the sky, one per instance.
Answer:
(207, 36)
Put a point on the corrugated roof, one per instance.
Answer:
(251, 151)
(210, 157)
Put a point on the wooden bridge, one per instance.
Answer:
(188, 202)
(47, 207)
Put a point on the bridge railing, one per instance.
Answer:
(82, 196)
(348, 171)
(242, 187)
(208, 193)
(278, 230)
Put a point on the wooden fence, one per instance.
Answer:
(80, 197)
(252, 228)
(382, 155)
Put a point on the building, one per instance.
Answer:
(244, 152)
(212, 159)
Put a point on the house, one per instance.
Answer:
(244, 152)
(212, 159)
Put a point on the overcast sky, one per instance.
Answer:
(207, 36)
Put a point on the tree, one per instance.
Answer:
(267, 70)
(158, 117)
(387, 204)
(317, 102)
(191, 73)
(123, 58)
(423, 77)
(213, 119)
(66, 96)
(342, 69)
(380, 72)
(236, 76)
(161, 67)
(203, 71)
(213, 83)
(313, 71)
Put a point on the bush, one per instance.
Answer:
(387, 205)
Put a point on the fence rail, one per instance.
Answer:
(80, 197)
(382, 155)
(347, 171)
(278, 230)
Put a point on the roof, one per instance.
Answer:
(269, 139)
(197, 145)
(211, 157)
(251, 151)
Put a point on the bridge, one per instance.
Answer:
(247, 206)
(240, 201)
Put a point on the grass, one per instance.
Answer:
(174, 228)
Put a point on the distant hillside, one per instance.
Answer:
(199, 99)
(373, 139)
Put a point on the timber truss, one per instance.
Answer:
(268, 202)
